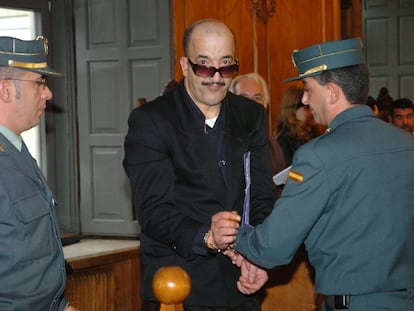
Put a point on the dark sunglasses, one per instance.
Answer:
(209, 72)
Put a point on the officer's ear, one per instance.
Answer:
(7, 90)
(334, 92)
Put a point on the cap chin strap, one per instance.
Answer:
(13, 63)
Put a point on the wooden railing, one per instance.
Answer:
(111, 281)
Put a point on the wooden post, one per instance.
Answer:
(171, 286)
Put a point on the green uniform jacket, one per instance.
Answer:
(350, 197)
(32, 267)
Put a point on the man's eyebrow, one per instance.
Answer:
(207, 57)
(228, 57)
(202, 56)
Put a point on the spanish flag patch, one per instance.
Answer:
(296, 176)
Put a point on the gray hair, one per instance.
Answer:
(256, 77)
(12, 73)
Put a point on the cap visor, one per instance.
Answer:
(302, 77)
(48, 72)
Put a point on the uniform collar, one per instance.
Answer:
(349, 114)
(11, 137)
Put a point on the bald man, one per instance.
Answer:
(184, 155)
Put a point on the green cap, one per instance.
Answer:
(26, 55)
(313, 60)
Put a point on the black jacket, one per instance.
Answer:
(177, 186)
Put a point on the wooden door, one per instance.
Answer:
(122, 53)
(389, 42)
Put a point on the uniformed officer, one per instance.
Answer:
(32, 266)
(349, 194)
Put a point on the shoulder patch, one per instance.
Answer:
(296, 176)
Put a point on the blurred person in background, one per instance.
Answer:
(384, 102)
(402, 114)
(254, 86)
(295, 125)
(372, 103)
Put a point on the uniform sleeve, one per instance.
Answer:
(304, 197)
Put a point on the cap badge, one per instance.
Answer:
(45, 43)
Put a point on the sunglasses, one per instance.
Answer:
(209, 72)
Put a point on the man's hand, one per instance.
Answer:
(70, 308)
(252, 278)
(224, 227)
(235, 257)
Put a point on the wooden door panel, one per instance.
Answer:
(123, 53)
